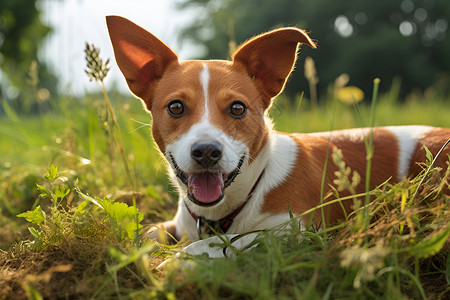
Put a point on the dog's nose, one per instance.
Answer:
(207, 154)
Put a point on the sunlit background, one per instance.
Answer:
(75, 22)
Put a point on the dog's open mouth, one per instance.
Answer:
(206, 188)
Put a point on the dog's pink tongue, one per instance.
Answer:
(206, 187)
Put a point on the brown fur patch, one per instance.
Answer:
(181, 81)
(301, 189)
(229, 83)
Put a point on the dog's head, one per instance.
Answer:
(208, 116)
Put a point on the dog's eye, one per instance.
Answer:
(237, 109)
(176, 108)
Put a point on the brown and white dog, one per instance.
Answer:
(232, 170)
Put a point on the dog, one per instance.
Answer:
(234, 173)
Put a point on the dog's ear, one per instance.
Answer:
(141, 56)
(270, 57)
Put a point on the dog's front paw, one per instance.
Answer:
(222, 246)
(227, 245)
(163, 233)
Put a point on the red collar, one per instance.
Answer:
(205, 226)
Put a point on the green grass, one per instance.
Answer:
(80, 249)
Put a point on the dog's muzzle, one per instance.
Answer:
(206, 188)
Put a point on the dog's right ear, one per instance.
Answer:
(141, 56)
(270, 57)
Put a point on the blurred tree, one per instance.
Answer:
(21, 36)
(366, 39)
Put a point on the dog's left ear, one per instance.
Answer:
(270, 57)
(140, 55)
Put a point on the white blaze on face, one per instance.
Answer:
(204, 79)
(204, 131)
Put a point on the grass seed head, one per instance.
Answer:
(96, 69)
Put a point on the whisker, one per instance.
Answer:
(146, 124)
(142, 125)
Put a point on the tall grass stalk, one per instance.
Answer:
(98, 71)
(324, 171)
(369, 150)
(368, 143)
(311, 76)
(297, 112)
(119, 137)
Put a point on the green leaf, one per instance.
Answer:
(36, 216)
(121, 215)
(429, 155)
(45, 192)
(124, 216)
(61, 191)
(430, 245)
(96, 201)
(291, 215)
(35, 233)
(32, 292)
(52, 173)
(80, 208)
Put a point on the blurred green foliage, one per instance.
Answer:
(406, 39)
(21, 36)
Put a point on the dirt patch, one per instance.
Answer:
(73, 269)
